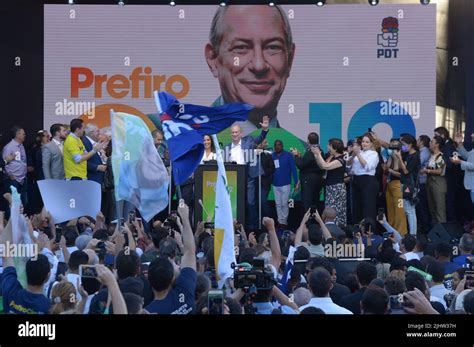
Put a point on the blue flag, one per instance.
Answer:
(185, 125)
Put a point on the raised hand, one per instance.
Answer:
(265, 123)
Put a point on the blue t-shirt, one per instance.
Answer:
(450, 267)
(376, 240)
(180, 299)
(461, 260)
(18, 300)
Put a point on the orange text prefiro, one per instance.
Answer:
(139, 84)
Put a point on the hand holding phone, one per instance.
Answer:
(215, 302)
(87, 271)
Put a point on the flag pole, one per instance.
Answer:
(259, 192)
(178, 191)
(118, 204)
(169, 188)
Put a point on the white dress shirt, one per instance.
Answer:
(372, 160)
(327, 305)
(236, 153)
(101, 156)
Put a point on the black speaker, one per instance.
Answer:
(445, 232)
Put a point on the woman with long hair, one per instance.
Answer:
(64, 297)
(409, 168)
(363, 163)
(436, 186)
(335, 165)
(209, 149)
(393, 192)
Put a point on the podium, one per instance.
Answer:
(204, 188)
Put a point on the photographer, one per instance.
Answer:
(409, 168)
(393, 193)
(313, 229)
(174, 289)
(263, 302)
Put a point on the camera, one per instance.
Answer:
(312, 218)
(173, 216)
(237, 227)
(131, 216)
(215, 302)
(208, 225)
(395, 147)
(396, 302)
(59, 233)
(380, 213)
(87, 271)
(253, 278)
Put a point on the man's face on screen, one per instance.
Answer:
(253, 61)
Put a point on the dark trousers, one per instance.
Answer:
(423, 210)
(451, 201)
(364, 197)
(311, 186)
(266, 211)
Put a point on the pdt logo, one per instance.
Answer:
(388, 39)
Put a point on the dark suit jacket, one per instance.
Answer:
(352, 301)
(308, 166)
(338, 292)
(248, 143)
(92, 163)
(268, 166)
(335, 230)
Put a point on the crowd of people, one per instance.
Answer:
(380, 198)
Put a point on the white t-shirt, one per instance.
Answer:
(411, 255)
(327, 305)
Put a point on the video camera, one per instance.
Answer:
(253, 277)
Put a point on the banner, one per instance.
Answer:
(337, 70)
(66, 200)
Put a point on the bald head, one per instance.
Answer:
(301, 296)
(329, 214)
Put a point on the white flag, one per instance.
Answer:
(224, 253)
